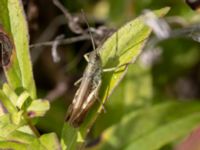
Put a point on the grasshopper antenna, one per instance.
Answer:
(86, 21)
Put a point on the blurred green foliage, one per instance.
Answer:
(154, 107)
(146, 88)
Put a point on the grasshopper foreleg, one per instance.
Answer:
(78, 81)
(86, 56)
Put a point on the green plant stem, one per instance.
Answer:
(33, 128)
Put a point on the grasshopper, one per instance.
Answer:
(87, 93)
(88, 90)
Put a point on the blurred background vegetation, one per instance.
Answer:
(146, 98)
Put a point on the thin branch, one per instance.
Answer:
(62, 41)
(47, 35)
(63, 9)
(54, 52)
(72, 21)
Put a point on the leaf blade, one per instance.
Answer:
(19, 30)
(19, 73)
(153, 127)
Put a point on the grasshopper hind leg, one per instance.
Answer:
(74, 119)
(70, 118)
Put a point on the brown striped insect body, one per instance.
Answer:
(88, 91)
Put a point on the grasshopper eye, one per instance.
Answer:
(194, 4)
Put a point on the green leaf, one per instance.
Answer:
(12, 73)
(4, 15)
(153, 127)
(7, 103)
(17, 117)
(46, 142)
(38, 108)
(20, 137)
(50, 141)
(166, 134)
(19, 73)
(124, 47)
(23, 100)
(20, 35)
(70, 138)
(26, 129)
(135, 91)
(121, 48)
(6, 125)
(12, 145)
(10, 93)
(35, 145)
